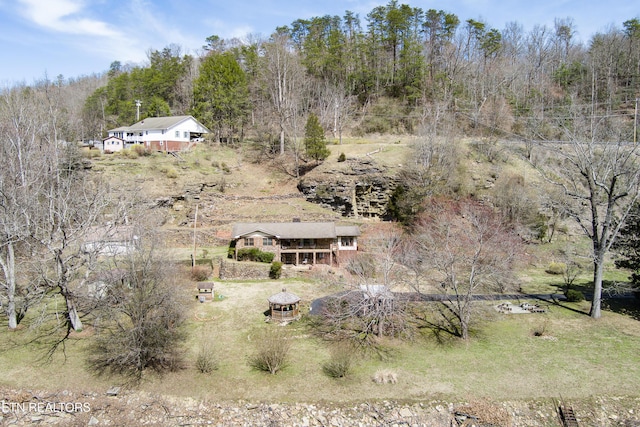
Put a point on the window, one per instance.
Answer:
(267, 241)
(185, 134)
(177, 134)
(248, 241)
(346, 241)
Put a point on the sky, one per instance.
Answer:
(73, 38)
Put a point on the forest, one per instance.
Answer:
(397, 70)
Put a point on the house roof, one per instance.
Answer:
(347, 230)
(157, 123)
(110, 233)
(284, 298)
(295, 230)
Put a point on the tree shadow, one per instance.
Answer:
(627, 306)
(553, 301)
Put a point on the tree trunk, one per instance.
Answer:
(597, 287)
(72, 310)
(10, 277)
(11, 312)
(281, 140)
(73, 315)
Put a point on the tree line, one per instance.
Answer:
(393, 71)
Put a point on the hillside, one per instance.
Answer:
(514, 370)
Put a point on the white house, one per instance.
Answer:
(110, 240)
(174, 133)
(112, 144)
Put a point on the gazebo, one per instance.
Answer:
(284, 306)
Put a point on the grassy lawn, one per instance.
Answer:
(503, 360)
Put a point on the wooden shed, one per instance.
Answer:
(284, 306)
(205, 291)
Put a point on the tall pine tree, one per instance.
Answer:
(314, 143)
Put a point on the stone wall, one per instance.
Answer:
(238, 270)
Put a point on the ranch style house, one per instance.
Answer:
(299, 243)
(169, 134)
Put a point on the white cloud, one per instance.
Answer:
(64, 16)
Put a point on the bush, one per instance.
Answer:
(129, 154)
(340, 364)
(255, 254)
(556, 268)
(276, 270)
(90, 154)
(206, 361)
(200, 273)
(272, 351)
(172, 173)
(574, 295)
(141, 150)
(342, 157)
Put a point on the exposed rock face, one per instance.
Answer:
(360, 189)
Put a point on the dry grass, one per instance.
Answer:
(503, 360)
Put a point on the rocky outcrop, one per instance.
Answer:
(359, 189)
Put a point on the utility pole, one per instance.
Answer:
(138, 104)
(195, 222)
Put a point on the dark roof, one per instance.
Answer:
(295, 230)
(284, 298)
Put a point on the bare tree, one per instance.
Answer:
(370, 309)
(20, 180)
(283, 75)
(48, 201)
(460, 249)
(600, 175)
(139, 321)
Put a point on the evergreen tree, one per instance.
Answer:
(221, 94)
(314, 142)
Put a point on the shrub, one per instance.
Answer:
(172, 173)
(272, 351)
(556, 268)
(206, 361)
(129, 153)
(255, 254)
(574, 295)
(342, 157)
(199, 273)
(141, 150)
(340, 364)
(276, 270)
(90, 154)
